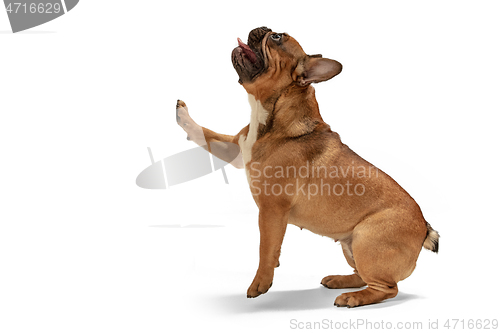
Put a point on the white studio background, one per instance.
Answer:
(83, 249)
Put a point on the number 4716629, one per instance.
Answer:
(485, 324)
(47, 8)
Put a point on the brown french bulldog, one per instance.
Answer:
(301, 173)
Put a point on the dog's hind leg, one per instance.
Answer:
(344, 281)
(376, 272)
(385, 253)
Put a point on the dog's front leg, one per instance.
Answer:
(272, 225)
(223, 146)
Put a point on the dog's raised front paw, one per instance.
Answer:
(182, 107)
(193, 130)
(182, 114)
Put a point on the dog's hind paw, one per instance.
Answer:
(342, 281)
(365, 296)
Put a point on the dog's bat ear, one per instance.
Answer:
(313, 69)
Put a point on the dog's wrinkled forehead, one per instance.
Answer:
(286, 42)
(255, 37)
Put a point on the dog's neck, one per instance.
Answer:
(293, 113)
(259, 117)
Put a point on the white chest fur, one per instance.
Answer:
(258, 116)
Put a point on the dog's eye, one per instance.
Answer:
(276, 37)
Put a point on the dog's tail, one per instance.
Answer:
(431, 241)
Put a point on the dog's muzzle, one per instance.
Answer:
(248, 59)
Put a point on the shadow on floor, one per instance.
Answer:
(295, 300)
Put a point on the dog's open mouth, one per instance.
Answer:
(248, 60)
(247, 51)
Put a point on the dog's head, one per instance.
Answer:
(274, 61)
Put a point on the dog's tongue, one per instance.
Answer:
(248, 52)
